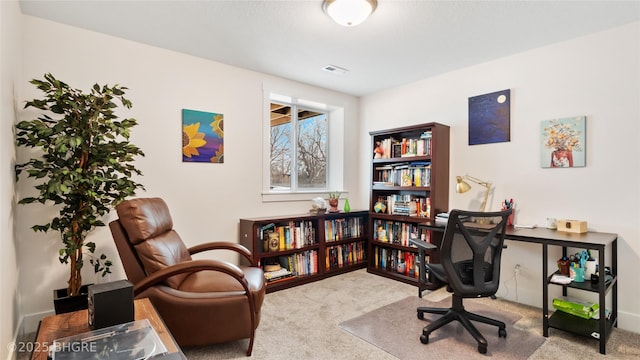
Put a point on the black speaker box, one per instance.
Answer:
(110, 304)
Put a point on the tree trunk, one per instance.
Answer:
(75, 276)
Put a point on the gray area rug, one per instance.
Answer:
(396, 329)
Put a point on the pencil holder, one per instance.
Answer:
(579, 275)
(511, 217)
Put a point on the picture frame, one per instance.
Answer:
(490, 118)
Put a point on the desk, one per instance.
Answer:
(73, 323)
(590, 241)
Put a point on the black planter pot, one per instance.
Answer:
(64, 304)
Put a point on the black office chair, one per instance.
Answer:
(470, 266)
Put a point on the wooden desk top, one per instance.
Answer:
(63, 325)
(541, 235)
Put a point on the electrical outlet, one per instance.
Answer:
(516, 269)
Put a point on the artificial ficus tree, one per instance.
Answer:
(83, 167)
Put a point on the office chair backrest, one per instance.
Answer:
(470, 251)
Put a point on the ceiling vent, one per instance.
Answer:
(335, 69)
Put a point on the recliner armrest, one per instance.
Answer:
(222, 245)
(189, 267)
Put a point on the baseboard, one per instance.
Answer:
(12, 355)
(629, 321)
(26, 324)
(30, 322)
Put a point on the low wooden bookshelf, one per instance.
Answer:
(310, 247)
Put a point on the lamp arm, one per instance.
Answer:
(486, 197)
(486, 184)
(478, 181)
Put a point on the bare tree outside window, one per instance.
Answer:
(312, 152)
(300, 134)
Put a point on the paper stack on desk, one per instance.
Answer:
(442, 219)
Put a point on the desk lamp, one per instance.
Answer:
(462, 187)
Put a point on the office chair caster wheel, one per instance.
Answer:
(482, 348)
(502, 333)
(424, 339)
(420, 315)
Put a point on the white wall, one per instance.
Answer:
(597, 76)
(9, 85)
(206, 200)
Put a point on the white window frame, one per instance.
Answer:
(335, 142)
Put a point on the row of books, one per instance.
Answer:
(276, 275)
(406, 205)
(407, 147)
(302, 263)
(344, 228)
(398, 261)
(293, 235)
(345, 255)
(398, 233)
(417, 173)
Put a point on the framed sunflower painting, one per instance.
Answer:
(202, 136)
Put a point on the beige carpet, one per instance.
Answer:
(396, 329)
(302, 323)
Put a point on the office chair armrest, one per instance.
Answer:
(190, 267)
(422, 245)
(222, 245)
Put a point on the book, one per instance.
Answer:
(277, 274)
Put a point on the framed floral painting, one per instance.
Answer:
(563, 142)
(202, 136)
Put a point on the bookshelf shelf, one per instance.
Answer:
(333, 243)
(410, 176)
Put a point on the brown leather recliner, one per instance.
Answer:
(201, 301)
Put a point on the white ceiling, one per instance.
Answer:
(403, 41)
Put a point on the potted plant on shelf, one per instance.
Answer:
(83, 166)
(333, 201)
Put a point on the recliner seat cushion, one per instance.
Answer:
(218, 282)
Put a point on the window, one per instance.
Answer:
(303, 143)
(298, 147)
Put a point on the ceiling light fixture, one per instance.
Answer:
(349, 12)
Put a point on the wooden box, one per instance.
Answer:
(572, 226)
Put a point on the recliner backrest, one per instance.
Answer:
(470, 252)
(149, 228)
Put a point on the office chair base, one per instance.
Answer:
(458, 313)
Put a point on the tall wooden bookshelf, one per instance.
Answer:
(410, 176)
(311, 247)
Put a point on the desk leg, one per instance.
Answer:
(545, 292)
(602, 323)
(614, 272)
